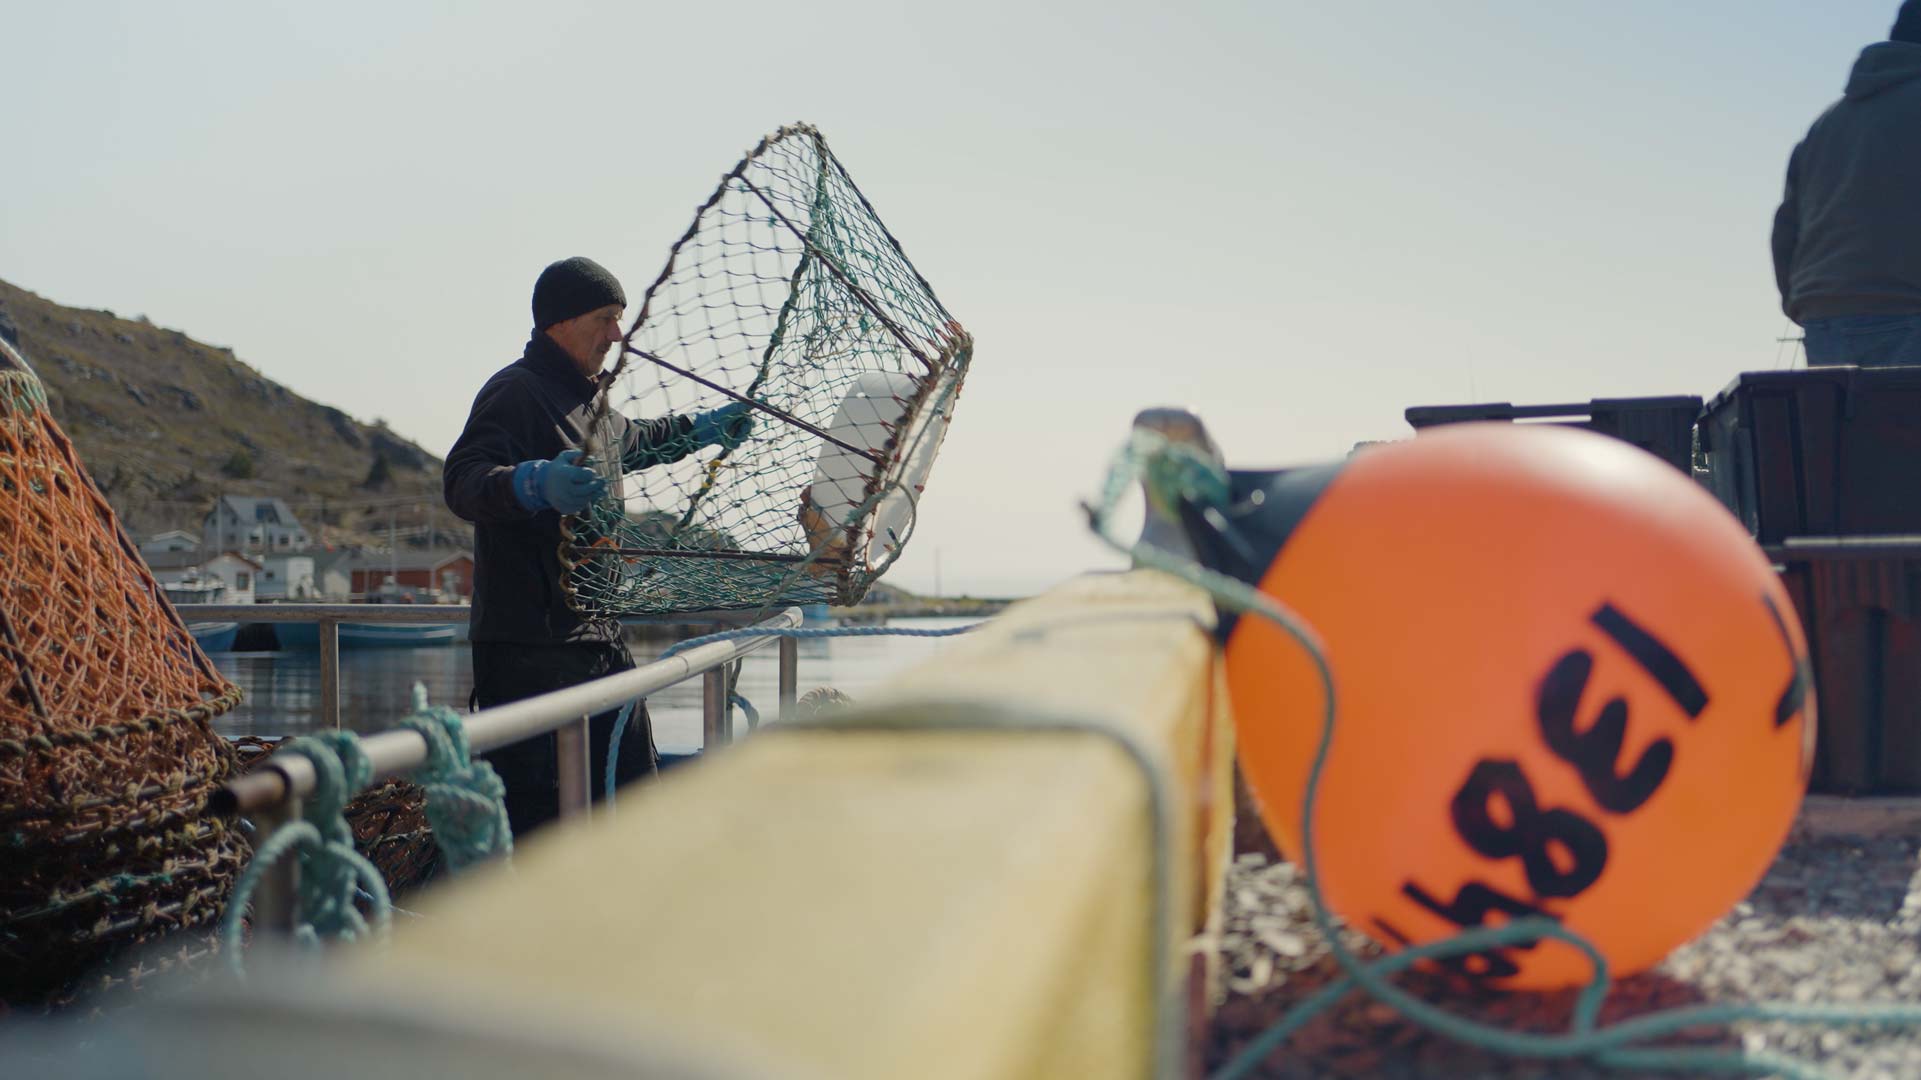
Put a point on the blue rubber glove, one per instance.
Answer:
(726, 426)
(557, 485)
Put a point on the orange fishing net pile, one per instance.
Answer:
(107, 750)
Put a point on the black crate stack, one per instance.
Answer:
(1824, 467)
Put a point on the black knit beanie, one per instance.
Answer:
(571, 288)
(1907, 25)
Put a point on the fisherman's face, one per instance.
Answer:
(586, 338)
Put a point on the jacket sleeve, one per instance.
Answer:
(477, 480)
(1787, 228)
(660, 441)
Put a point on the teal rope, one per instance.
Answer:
(465, 809)
(739, 701)
(613, 748)
(332, 873)
(1174, 473)
(465, 798)
(620, 722)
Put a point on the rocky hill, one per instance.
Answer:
(166, 424)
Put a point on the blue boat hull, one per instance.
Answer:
(303, 636)
(214, 636)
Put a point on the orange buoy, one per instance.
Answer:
(1569, 684)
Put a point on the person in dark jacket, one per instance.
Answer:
(514, 471)
(1847, 238)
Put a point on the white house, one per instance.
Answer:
(333, 574)
(237, 572)
(244, 523)
(287, 577)
(171, 541)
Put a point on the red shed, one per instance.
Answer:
(447, 572)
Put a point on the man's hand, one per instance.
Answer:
(727, 426)
(558, 485)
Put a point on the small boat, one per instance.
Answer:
(397, 636)
(214, 636)
(303, 636)
(193, 589)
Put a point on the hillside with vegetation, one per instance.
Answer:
(166, 424)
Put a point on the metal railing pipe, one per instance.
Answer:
(394, 752)
(412, 613)
(313, 613)
(1844, 547)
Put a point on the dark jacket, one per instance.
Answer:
(532, 410)
(1847, 239)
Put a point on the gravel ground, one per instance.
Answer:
(1835, 920)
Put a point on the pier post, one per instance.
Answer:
(789, 676)
(329, 673)
(576, 768)
(276, 903)
(716, 719)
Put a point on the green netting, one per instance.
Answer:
(786, 292)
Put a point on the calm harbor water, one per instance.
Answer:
(283, 688)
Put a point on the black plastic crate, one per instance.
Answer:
(1860, 607)
(1832, 451)
(1663, 426)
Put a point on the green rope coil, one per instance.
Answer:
(21, 390)
(465, 807)
(332, 872)
(465, 798)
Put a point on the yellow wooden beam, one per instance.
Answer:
(932, 886)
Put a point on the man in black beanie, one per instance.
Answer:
(1847, 238)
(514, 472)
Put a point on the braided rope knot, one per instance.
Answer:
(465, 798)
(330, 871)
(1175, 472)
(333, 875)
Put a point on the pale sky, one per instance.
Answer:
(1295, 218)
